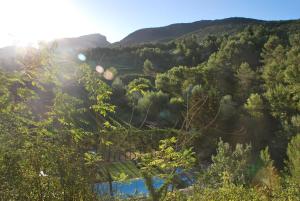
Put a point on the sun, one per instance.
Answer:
(27, 21)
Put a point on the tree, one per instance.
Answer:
(153, 103)
(254, 105)
(267, 176)
(246, 81)
(148, 68)
(232, 162)
(118, 88)
(166, 161)
(281, 80)
(98, 92)
(293, 153)
(44, 133)
(136, 89)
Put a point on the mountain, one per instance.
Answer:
(9, 55)
(82, 42)
(200, 28)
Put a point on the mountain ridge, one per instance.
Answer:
(201, 28)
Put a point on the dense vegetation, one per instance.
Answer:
(225, 106)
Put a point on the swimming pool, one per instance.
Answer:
(135, 186)
(131, 187)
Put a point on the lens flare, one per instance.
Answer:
(108, 75)
(81, 57)
(99, 69)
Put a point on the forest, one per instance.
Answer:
(223, 110)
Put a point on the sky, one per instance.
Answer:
(24, 22)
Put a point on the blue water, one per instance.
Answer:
(134, 186)
(130, 187)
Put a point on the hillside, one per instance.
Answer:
(200, 28)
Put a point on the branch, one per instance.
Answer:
(145, 116)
